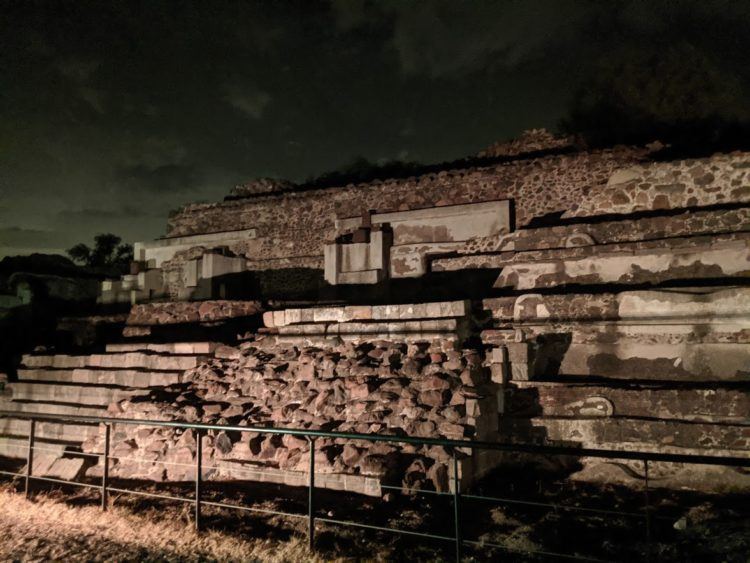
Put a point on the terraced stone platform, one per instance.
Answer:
(84, 385)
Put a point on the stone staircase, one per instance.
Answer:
(84, 385)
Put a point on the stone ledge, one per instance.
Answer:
(639, 306)
(445, 309)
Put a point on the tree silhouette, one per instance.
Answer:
(108, 252)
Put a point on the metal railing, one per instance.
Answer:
(311, 435)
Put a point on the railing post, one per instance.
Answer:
(105, 469)
(311, 497)
(198, 478)
(30, 456)
(456, 506)
(648, 510)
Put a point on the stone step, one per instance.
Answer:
(19, 447)
(124, 360)
(49, 430)
(595, 432)
(562, 399)
(54, 409)
(167, 348)
(59, 393)
(123, 377)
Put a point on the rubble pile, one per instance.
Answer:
(385, 387)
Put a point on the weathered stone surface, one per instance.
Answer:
(261, 186)
(557, 399)
(186, 312)
(165, 348)
(648, 435)
(347, 314)
(76, 394)
(721, 257)
(670, 185)
(120, 377)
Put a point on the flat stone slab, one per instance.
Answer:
(360, 313)
(18, 448)
(50, 392)
(168, 348)
(126, 360)
(697, 438)
(56, 467)
(563, 399)
(229, 469)
(48, 430)
(41, 407)
(123, 377)
(141, 360)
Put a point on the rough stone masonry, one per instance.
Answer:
(539, 293)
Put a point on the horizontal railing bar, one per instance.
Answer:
(384, 529)
(554, 506)
(407, 491)
(151, 495)
(45, 447)
(251, 509)
(517, 448)
(537, 552)
(51, 480)
(65, 482)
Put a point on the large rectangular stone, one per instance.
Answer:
(639, 360)
(556, 399)
(596, 432)
(50, 392)
(48, 430)
(168, 348)
(121, 377)
(447, 223)
(19, 447)
(56, 361)
(442, 309)
(49, 408)
(141, 360)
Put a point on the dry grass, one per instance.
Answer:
(45, 529)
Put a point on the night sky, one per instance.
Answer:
(113, 113)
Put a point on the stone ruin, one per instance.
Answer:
(551, 296)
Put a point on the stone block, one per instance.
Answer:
(279, 318)
(500, 373)
(268, 319)
(358, 312)
(499, 355)
(328, 314)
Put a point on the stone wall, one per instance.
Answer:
(539, 186)
(671, 185)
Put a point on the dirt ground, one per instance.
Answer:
(68, 525)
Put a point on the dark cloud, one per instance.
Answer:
(127, 212)
(165, 178)
(112, 113)
(20, 240)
